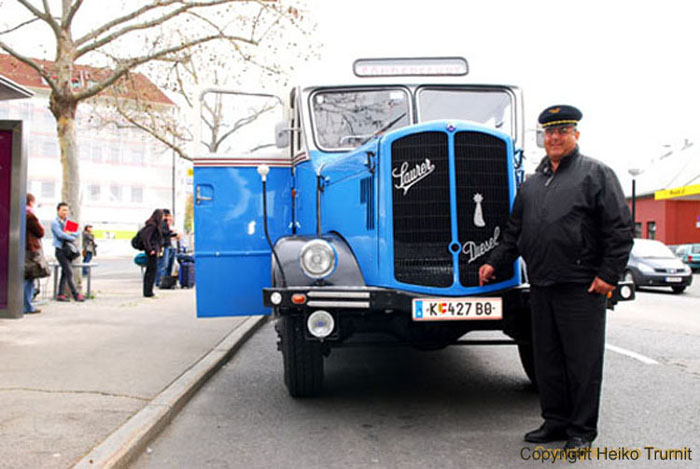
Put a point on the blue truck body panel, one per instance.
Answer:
(232, 255)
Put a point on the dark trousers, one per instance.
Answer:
(149, 277)
(568, 327)
(86, 260)
(66, 273)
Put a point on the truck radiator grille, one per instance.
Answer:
(421, 210)
(482, 173)
(421, 205)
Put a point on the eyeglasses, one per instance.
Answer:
(563, 131)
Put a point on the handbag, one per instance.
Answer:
(70, 250)
(141, 259)
(35, 265)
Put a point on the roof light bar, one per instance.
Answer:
(411, 66)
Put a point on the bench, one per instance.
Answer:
(88, 265)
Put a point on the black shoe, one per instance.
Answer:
(577, 442)
(545, 434)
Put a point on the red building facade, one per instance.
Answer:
(670, 221)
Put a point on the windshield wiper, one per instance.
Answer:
(385, 128)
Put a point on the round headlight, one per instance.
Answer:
(276, 298)
(625, 292)
(317, 259)
(320, 324)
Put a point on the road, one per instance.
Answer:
(454, 408)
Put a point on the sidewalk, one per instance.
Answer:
(77, 373)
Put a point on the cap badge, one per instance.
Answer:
(555, 110)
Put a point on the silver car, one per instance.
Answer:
(652, 263)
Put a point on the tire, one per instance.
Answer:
(630, 278)
(678, 289)
(527, 359)
(303, 359)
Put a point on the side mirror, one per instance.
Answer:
(282, 135)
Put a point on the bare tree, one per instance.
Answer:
(281, 48)
(157, 30)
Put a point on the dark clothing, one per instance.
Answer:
(569, 226)
(34, 232)
(89, 245)
(152, 238)
(568, 327)
(168, 235)
(66, 273)
(89, 249)
(152, 241)
(149, 276)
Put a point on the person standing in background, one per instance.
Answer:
(152, 237)
(59, 236)
(89, 247)
(165, 261)
(33, 244)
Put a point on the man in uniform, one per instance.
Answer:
(572, 226)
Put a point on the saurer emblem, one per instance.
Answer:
(408, 177)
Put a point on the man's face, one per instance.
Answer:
(63, 212)
(560, 141)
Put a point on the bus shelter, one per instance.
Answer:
(13, 182)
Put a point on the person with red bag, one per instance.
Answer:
(61, 238)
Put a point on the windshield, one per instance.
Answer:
(492, 108)
(345, 119)
(651, 249)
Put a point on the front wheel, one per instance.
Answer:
(527, 358)
(303, 359)
(678, 289)
(630, 278)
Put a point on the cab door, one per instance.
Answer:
(232, 255)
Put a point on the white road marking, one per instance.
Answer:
(629, 353)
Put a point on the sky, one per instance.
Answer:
(630, 66)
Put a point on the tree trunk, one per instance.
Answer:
(67, 139)
(64, 110)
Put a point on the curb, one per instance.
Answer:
(130, 440)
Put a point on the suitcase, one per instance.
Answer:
(186, 274)
(167, 283)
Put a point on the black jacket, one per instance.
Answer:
(152, 238)
(569, 226)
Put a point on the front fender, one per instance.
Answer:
(347, 271)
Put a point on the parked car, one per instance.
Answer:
(690, 255)
(652, 264)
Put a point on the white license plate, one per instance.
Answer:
(674, 279)
(457, 309)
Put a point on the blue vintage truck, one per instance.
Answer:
(364, 216)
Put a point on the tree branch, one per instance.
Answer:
(243, 122)
(128, 29)
(44, 16)
(68, 18)
(123, 19)
(40, 70)
(185, 6)
(19, 26)
(130, 64)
